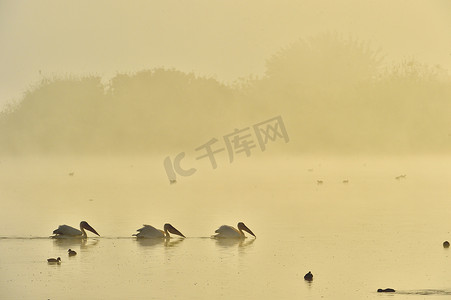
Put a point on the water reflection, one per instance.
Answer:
(425, 292)
(71, 243)
(227, 243)
(154, 242)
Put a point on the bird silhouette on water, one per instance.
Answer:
(54, 260)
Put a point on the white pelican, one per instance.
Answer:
(65, 231)
(151, 232)
(71, 252)
(226, 231)
(54, 260)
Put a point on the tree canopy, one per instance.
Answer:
(336, 95)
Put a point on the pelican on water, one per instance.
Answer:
(226, 231)
(151, 232)
(65, 231)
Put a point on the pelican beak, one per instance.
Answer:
(173, 230)
(245, 228)
(88, 227)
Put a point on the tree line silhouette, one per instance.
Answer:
(335, 95)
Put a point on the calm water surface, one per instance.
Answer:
(373, 232)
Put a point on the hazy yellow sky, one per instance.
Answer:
(223, 39)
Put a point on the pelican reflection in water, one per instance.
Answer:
(68, 232)
(152, 242)
(228, 243)
(65, 243)
(151, 232)
(229, 232)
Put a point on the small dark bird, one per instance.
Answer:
(308, 276)
(172, 181)
(445, 244)
(71, 252)
(54, 260)
(71, 174)
(346, 181)
(389, 290)
(319, 182)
